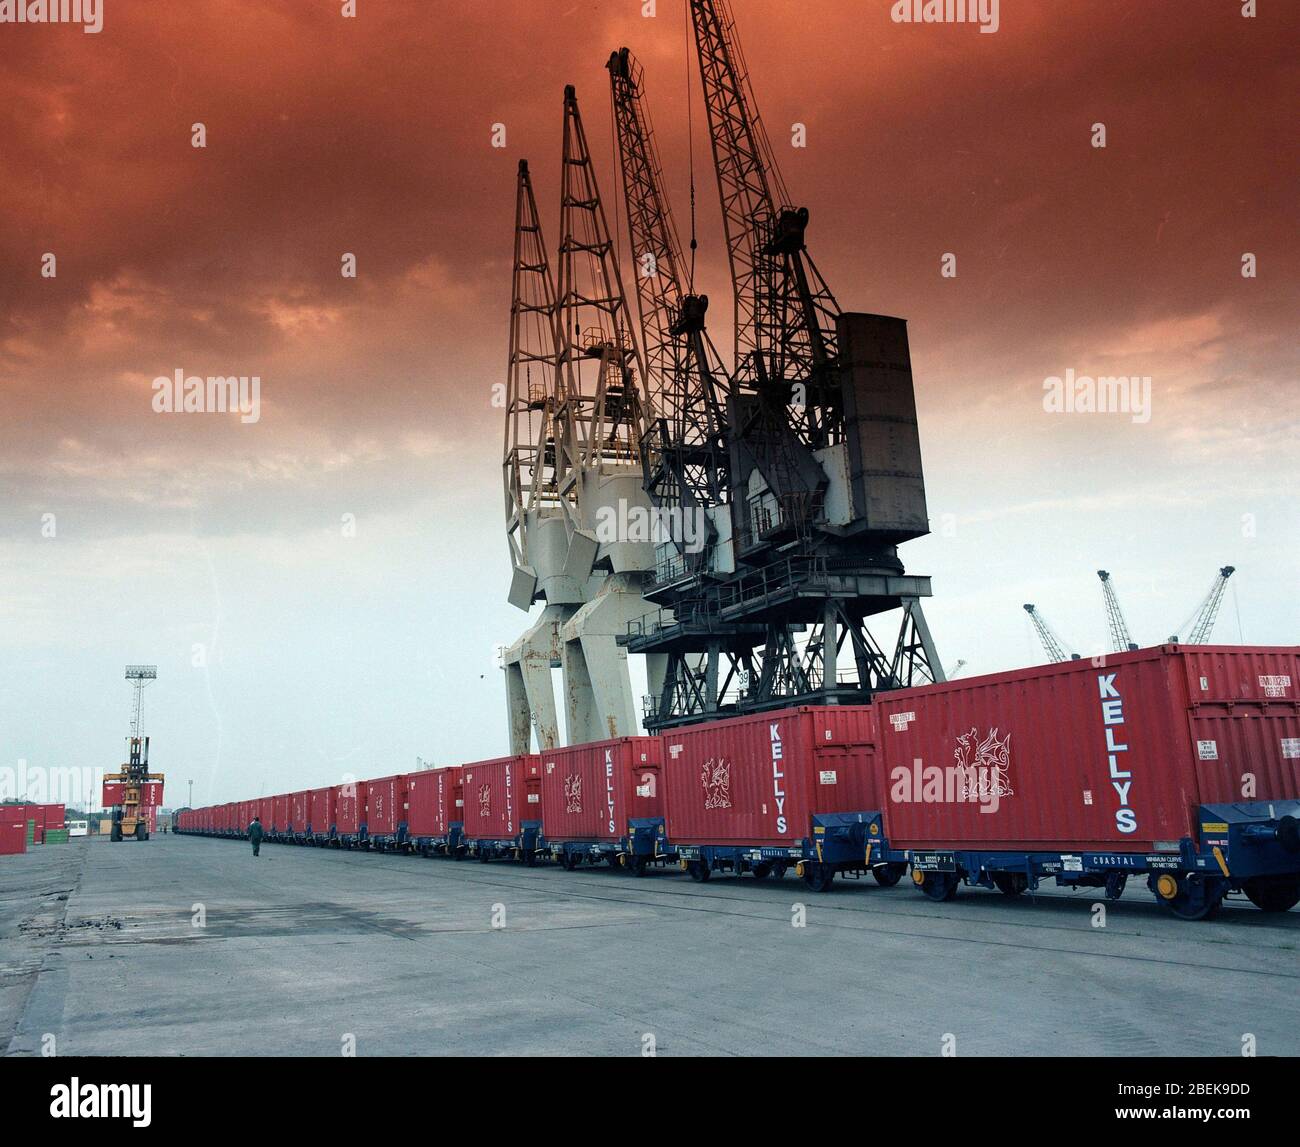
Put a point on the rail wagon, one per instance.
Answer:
(604, 802)
(350, 815)
(320, 818)
(1177, 764)
(435, 812)
(503, 816)
(762, 793)
(386, 801)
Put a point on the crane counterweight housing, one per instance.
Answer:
(881, 438)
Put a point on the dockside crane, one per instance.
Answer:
(1052, 644)
(1119, 638)
(543, 569)
(684, 448)
(685, 454)
(601, 413)
(822, 414)
(1200, 625)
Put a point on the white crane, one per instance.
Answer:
(1120, 640)
(1052, 644)
(1200, 625)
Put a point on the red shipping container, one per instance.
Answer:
(49, 815)
(758, 779)
(280, 812)
(299, 810)
(434, 801)
(1082, 757)
(321, 810)
(151, 793)
(499, 795)
(385, 805)
(589, 792)
(13, 831)
(350, 808)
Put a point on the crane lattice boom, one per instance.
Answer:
(1203, 625)
(1120, 640)
(1052, 644)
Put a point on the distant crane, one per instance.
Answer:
(1119, 638)
(957, 667)
(1054, 646)
(1200, 625)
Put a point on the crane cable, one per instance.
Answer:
(690, 148)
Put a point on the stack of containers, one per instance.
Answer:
(56, 836)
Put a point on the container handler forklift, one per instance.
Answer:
(130, 822)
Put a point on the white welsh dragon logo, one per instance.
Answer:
(716, 779)
(984, 766)
(573, 793)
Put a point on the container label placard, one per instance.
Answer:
(900, 721)
(1072, 863)
(1275, 685)
(1207, 750)
(934, 861)
(1291, 748)
(827, 776)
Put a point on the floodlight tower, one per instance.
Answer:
(139, 676)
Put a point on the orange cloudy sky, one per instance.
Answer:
(290, 652)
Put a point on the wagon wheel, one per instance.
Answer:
(568, 861)
(1010, 883)
(818, 877)
(887, 875)
(761, 871)
(1273, 893)
(938, 886)
(1190, 896)
(699, 871)
(637, 865)
(482, 855)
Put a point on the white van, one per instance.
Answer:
(78, 828)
